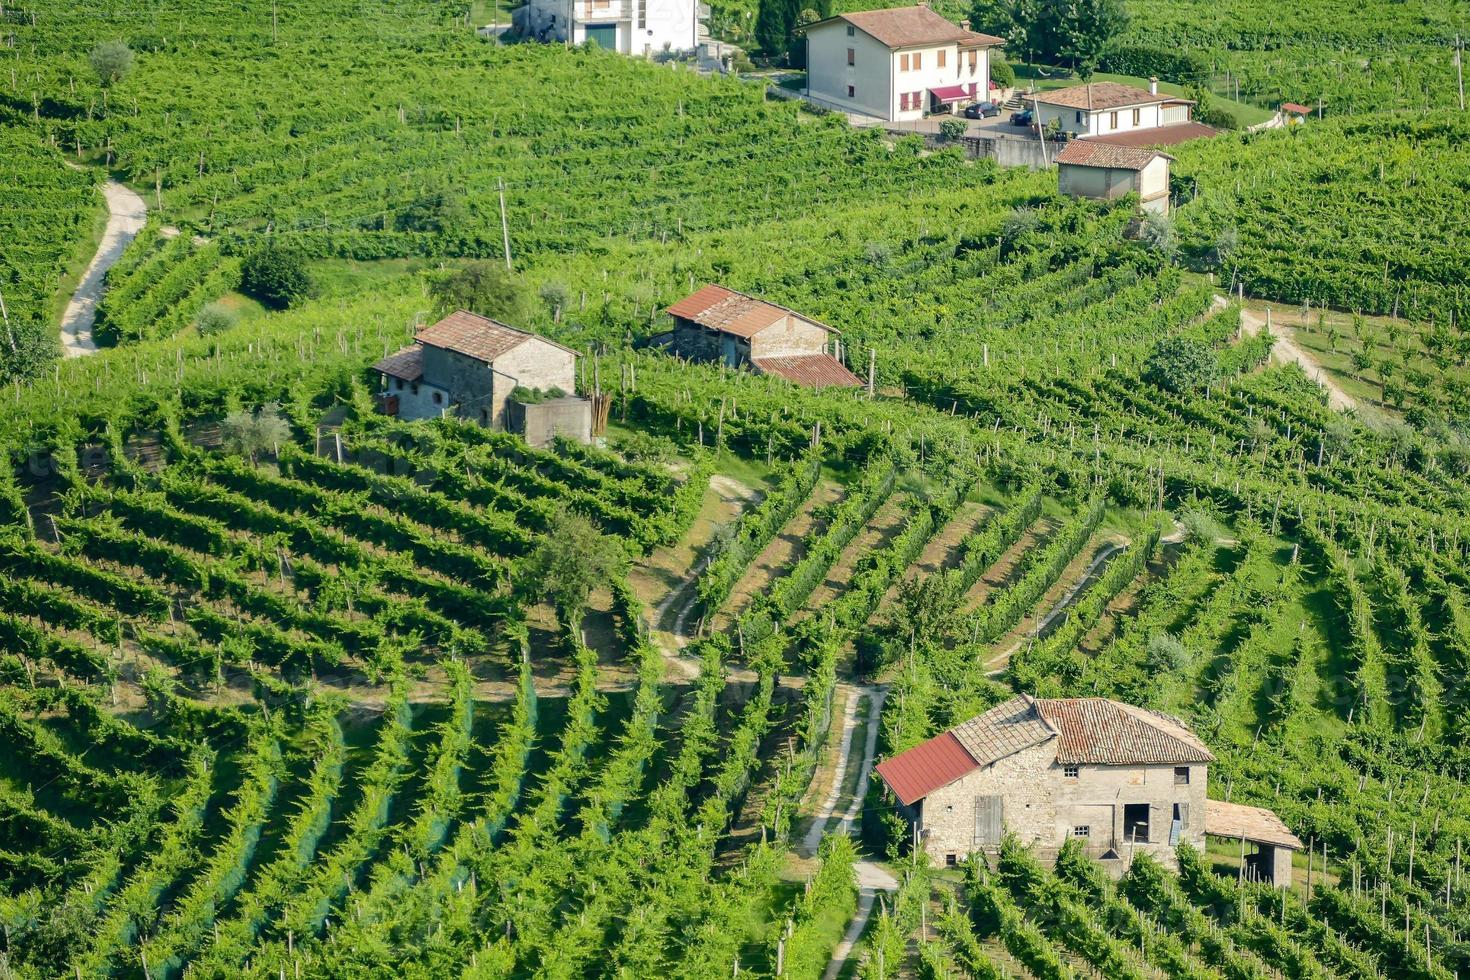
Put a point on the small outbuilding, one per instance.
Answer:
(476, 368)
(1266, 845)
(1104, 171)
(720, 325)
(1294, 112)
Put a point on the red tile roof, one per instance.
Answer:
(928, 766)
(733, 312)
(406, 364)
(1103, 95)
(1169, 135)
(1088, 153)
(477, 336)
(902, 27)
(812, 370)
(1295, 108)
(1251, 822)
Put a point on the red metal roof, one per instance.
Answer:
(1169, 135)
(812, 370)
(1295, 108)
(914, 774)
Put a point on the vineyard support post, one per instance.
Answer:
(504, 226)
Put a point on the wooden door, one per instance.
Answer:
(989, 821)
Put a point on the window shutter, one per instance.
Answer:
(988, 820)
(1155, 822)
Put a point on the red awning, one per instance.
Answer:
(950, 93)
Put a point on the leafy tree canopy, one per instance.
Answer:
(1181, 364)
(573, 559)
(111, 60)
(276, 276)
(482, 287)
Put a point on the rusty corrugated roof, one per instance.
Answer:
(1254, 823)
(914, 774)
(733, 312)
(406, 364)
(811, 370)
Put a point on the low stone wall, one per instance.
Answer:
(540, 422)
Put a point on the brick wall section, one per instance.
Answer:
(1041, 806)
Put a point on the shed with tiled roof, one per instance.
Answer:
(723, 325)
(1104, 171)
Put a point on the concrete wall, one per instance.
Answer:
(1153, 180)
(787, 336)
(540, 423)
(1043, 807)
(1099, 183)
(870, 75)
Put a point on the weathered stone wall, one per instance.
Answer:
(787, 336)
(538, 424)
(1043, 807)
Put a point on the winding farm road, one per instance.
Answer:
(126, 214)
(1286, 351)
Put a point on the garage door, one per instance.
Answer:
(605, 36)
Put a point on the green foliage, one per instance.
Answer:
(112, 61)
(250, 434)
(485, 288)
(572, 560)
(276, 275)
(1181, 365)
(215, 318)
(952, 129)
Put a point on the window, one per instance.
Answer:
(1079, 117)
(1135, 822)
(851, 56)
(415, 388)
(1071, 772)
(851, 31)
(950, 860)
(903, 62)
(974, 60)
(398, 384)
(438, 398)
(1181, 775)
(852, 91)
(903, 101)
(1137, 117)
(941, 57)
(1083, 831)
(1112, 120)
(918, 60)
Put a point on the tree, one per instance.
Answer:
(1157, 232)
(773, 24)
(952, 129)
(1077, 31)
(1018, 21)
(437, 211)
(250, 435)
(797, 53)
(276, 276)
(556, 295)
(482, 287)
(1001, 72)
(1181, 364)
(111, 60)
(572, 559)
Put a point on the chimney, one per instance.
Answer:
(964, 25)
(1153, 85)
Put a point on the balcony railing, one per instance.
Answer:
(604, 9)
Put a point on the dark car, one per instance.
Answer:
(1022, 117)
(981, 110)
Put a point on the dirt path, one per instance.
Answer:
(126, 215)
(786, 548)
(1286, 351)
(872, 878)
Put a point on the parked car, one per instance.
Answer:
(981, 110)
(1022, 117)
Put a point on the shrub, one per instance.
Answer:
(1181, 364)
(1002, 74)
(215, 318)
(111, 60)
(275, 276)
(952, 129)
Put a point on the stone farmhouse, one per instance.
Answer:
(724, 326)
(476, 368)
(897, 64)
(1122, 779)
(1103, 171)
(1112, 110)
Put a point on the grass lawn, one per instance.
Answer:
(486, 12)
(1248, 115)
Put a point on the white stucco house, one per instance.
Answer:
(1102, 109)
(636, 27)
(1103, 171)
(897, 64)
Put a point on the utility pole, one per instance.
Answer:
(504, 227)
(1460, 69)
